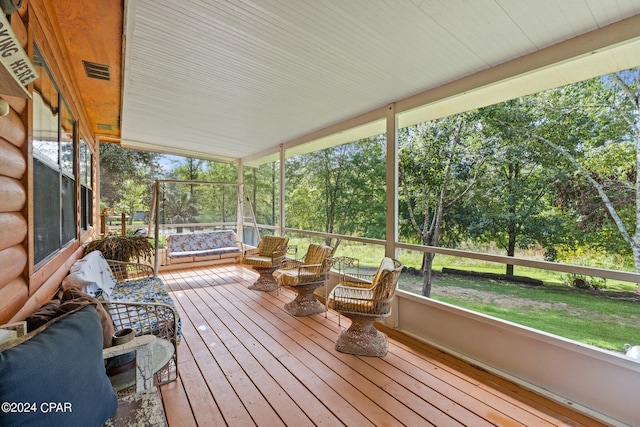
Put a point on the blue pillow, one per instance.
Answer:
(57, 376)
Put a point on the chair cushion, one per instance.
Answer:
(316, 254)
(287, 277)
(189, 242)
(268, 244)
(58, 370)
(293, 277)
(352, 306)
(258, 261)
(356, 300)
(386, 266)
(380, 291)
(150, 290)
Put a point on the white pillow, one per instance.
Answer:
(80, 280)
(93, 275)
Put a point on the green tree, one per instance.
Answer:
(514, 199)
(338, 190)
(594, 126)
(132, 197)
(221, 200)
(262, 184)
(439, 162)
(117, 165)
(189, 169)
(177, 205)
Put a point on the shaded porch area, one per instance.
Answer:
(243, 360)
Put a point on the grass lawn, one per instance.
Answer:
(607, 319)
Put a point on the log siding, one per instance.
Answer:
(23, 287)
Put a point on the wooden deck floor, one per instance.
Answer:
(244, 361)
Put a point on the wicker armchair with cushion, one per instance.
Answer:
(304, 277)
(364, 302)
(265, 259)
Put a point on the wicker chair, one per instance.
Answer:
(265, 259)
(304, 277)
(364, 302)
(146, 317)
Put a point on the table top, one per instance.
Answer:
(162, 353)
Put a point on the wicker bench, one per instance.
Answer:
(134, 299)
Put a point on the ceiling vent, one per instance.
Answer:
(103, 126)
(96, 71)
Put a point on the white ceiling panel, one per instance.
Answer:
(230, 79)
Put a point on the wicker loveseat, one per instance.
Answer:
(134, 299)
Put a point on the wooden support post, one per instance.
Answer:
(103, 224)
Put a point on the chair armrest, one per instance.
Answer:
(355, 282)
(143, 347)
(346, 299)
(146, 318)
(135, 344)
(291, 264)
(280, 251)
(124, 271)
(303, 269)
(251, 251)
(313, 273)
(292, 250)
(341, 292)
(308, 269)
(158, 319)
(358, 280)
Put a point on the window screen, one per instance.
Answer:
(46, 203)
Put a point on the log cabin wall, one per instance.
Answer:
(25, 286)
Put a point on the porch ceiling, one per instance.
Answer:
(230, 79)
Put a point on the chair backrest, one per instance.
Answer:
(268, 244)
(317, 254)
(386, 279)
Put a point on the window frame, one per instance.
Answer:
(55, 227)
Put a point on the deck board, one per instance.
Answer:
(243, 360)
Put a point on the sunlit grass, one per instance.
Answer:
(588, 317)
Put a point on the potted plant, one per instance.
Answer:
(126, 248)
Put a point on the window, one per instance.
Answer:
(54, 182)
(86, 187)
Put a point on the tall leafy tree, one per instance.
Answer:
(132, 198)
(221, 201)
(263, 190)
(440, 161)
(514, 198)
(338, 190)
(117, 165)
(595, 127)
(189, 169)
